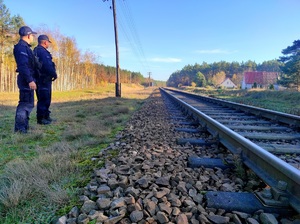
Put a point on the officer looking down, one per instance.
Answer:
(47, 74)
(26, 80)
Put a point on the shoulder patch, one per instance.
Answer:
(24, 53)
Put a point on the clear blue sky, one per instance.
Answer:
(162, 36)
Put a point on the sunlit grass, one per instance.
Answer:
(42, 172)
(100, 92)
(283, 101)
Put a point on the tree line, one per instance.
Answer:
(213, 74)
(287, 66)
(75, 69)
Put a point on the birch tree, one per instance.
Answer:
(89, 75)
(68, 59)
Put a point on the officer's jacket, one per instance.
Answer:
(47, 70)
(25, 63)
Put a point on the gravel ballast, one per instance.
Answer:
(149, 181)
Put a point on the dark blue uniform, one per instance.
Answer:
(44, 82)
(26, 68)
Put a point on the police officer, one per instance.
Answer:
(26, 79)
(44, 82)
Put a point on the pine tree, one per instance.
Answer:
(291, 67)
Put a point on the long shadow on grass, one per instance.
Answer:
(45, 168)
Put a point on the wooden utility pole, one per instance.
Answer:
(118, 84)
(149, 79)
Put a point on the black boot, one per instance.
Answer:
(43, 121)
(48, 118)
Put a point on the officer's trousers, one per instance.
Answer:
(43, 93)
(24, 108)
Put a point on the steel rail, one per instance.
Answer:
(290, 119)
(268, 167)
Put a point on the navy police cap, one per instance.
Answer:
(43, 37)
(25, 30)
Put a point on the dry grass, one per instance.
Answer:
(106, 90)
(21, 180)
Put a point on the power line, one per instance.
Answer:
(133, 28)
(127, 36)
(127, 25)
(134, 40)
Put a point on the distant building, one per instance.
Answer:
(260, 80)
(227, 84)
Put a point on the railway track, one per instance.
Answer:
(174, 164)
(268, 142)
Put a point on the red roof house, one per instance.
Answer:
(259, 79)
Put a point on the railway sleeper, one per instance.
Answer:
(230, 116)
(245, 202)
(178, 118)
(196, 141)
(228, 121)
(280, 149)
(257, 128)
(267, 136)
(196, 162)
(220, 113)
(191, 130)
(188, 123)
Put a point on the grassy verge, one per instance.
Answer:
(42, 173)
(283, 101)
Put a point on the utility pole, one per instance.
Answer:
(149, 73)
(118, 84)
